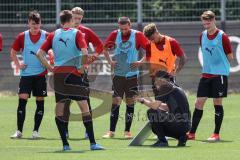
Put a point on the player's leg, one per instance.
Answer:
(67, 110)
(157, 128)
(60, 116)
(39, 91)
(25, 87)
(204, 91)
(60, 119)
(86, 81)
(220, 85)
(131, 90)
(118, 83)
(87, 121)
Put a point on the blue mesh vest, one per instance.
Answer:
(214, 58)
(65, 50)
(33, 65)
(125, 54)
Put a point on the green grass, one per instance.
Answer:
(50, 146)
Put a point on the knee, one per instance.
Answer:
(151, 114)
(217, 101)
(199, 104)
(129, 101)
(117, 100)
(23, 96)
(39, 98)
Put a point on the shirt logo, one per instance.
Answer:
(33, 53)
(64, 41)
(165, 62)
(220, 94)
(210, 51)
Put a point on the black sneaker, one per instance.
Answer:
(182, 141)
(160, 144)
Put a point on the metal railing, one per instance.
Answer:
(105, 11)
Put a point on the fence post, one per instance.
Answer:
(139, 15)
(223, 15)
(58, 9)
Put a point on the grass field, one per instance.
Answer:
(49, 147)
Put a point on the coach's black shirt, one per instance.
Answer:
(178, 104)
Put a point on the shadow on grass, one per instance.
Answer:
(71, 151)
(78, 139)
(125, 139)
(149, 146)
(65, 152)
(53, 139)
(221, 141)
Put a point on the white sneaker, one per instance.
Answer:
(17, 134)
(35, 135)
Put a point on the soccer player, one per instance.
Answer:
(90, 37)
(162, 53)
(1, 42)
(217, 53)
(32, 72)
(171, 118)
(125, 63)
(70, 51)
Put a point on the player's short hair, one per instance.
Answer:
(150, 29)
(34, 16)
(78, 10)
(208, 15)
(124, 20)
(65, 16)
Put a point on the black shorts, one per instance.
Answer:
(70, 86)
(215, 87)
(35, 84)
(127, 85)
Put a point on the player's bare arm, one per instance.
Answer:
(41, 55)
(181, 63)
(230, 57)
(13, 55)
(153, 104)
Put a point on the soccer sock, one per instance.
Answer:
(67, 114)
(61, 129)
(197, 115)
(129, 117)
(21, 111)
(89, 105)
(38, 114)
(90, 108)
(219, 113)
(114, 117)
(87, 121)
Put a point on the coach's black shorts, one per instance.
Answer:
(215, 87)
(70, 86)
(127, 85)
(35, 84)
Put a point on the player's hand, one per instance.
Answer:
(51, 69)
(22, 66)
(135, 65)
(113, 64)
(91, 58)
